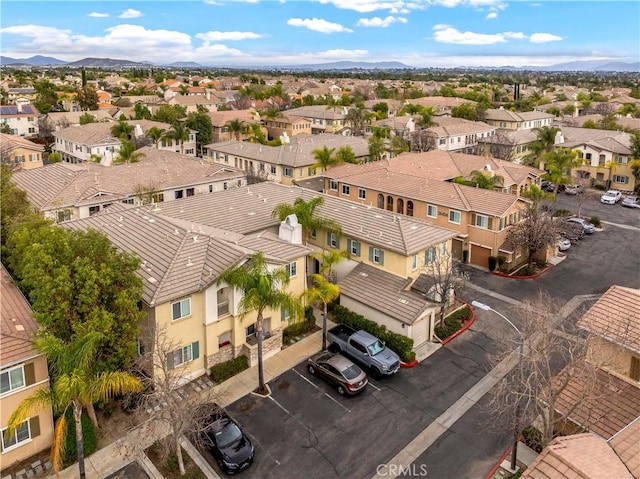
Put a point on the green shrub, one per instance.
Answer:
(223, 371)
(526, 271)
(402, 345)
(561, 212)
(452, 323)
(88, 438)
(308, 313)
(299, 328)
(596, 221)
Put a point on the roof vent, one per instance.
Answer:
(189, 263)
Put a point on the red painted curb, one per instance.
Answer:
(495, 468)
(534, 276)
(410, 365)
(466, 326)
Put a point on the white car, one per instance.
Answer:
(631, 202)
(611, 197)
(564, 244)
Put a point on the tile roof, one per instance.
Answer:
(384, 292)
(221, 118)
(298, 153)
(626, 444)
(318, 111)
(248, 210)
(579, 456)
(449, 126)
(495, 114)
(11, 142)
(616, 317)
(18, 324)
(100, 133)
(600, 402)
(583, 135)
(63, 184)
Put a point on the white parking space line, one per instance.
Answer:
(310, 382)
(279, 405)
(374, 387)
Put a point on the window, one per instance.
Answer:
(21, 434)
(621, 179)
(288, 172)
(442, 141)
(376, 255)
(181, 309)
(362, 193)
(454, 217)
(381, 202)
(346, 190)
(312, 172)
(11, 379)
(409, 208)
(191, 192)
(273, 169)
(225, 185)
(179, 194)
(354, 247)
(19, 158)
(64, 215)
(333, 185)
(292, 269)
(332, 240)
(34, 157)
(482, 221)
(503, 223)
(183, 355)
(432, 211)
(414, 261)
(430, 255)
(93, 210)
(251, 330)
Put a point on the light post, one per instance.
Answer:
(516, 431)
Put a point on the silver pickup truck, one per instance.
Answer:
(365, 349)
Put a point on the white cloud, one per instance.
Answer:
(130, 13)
(492, 15)
(448, 34)
(98, 15)
(227, 36)
(368, 6)
(318, 25)
(380, 22)
(544, 38)
(469, 3)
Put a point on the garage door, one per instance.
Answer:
(480, 256)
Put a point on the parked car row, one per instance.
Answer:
(611, 197)
(631, 202)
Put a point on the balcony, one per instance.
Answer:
(223, 308)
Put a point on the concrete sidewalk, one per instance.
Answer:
(118, 454)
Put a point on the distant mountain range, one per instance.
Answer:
(586, 66)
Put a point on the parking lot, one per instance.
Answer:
(591, 206)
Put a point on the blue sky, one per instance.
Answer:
(419, 33)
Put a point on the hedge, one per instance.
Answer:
(223, 371)
(298, 329)
(452, 323)
(88, 438)
(402, 345)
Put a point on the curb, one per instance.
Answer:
(496, 466)
(466, 326)
(410, 365)
(534, 276)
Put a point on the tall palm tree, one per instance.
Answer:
(308, 218)
(179, 134)
(484, 181)
(262, 290)
(128, 153)
(236, 127)
(546, 137)
(74, 386)
(324, 158)
(328, 259)
(156, 134)
(323, 292)
(258, 135)
(558, 164)
(122, 129)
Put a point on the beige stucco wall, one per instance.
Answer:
(611, 357)
(10, 401)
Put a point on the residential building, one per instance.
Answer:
(420, 185)
(288, 126)
(64, 191)
(512, 120)
(22, 119)
(207, 99)
(397, 247)
(508, 145)
(606, 156)
(20, 152)
(94, 141)
(220, 125)
(23, 372)
(458, 134)
(284, 164)
(323, 119)
(15, 94)
(441, 105)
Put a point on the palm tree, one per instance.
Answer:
(376, 148)
(179, 134)
(128, 153)
(546, 137)
(486, 182)
(324, 158)
(328, 259)
(323, 292)
(236, 127)
(74, 386)
(558, 163)
(261, 291)
(122, 129)
(156, 134)
(612, 166)
(357, 118)
(258, 135)
(345, 154)
(307, 216)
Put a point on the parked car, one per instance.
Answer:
(574, 190)
(347, 377)
(631, 202)
(365, 349)
(225, 440)
(611, 197)
(551, 187)
(544, 184)
(564, 244)
(587, 227)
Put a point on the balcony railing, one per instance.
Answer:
(223, 308)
